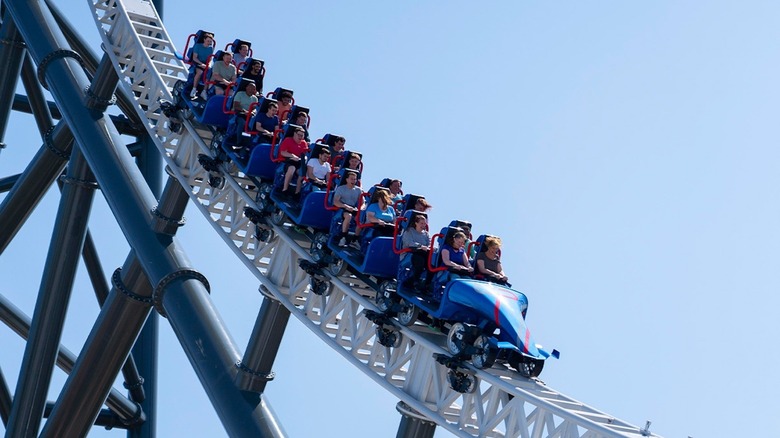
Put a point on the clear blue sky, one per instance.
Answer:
(626, 152)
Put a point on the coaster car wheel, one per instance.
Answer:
(456, 338)
(527, 366)
(263, 234)
(462, 382)
(338, 267)
(384, 297)
(485, 355)
(277, 217)
(388, 338)
(322, 288)
(319, 247)
(408, 313)
(216, 181)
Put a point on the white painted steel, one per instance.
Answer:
(504, 405)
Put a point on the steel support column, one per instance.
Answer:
(413, 425)
(257, 364)
(34, 181)
(104, 353)
(11, 54)
(8, 182)
(5, 399)
(146, 346)
(14, 318)
(119, 323)
(179, 291)
(40, 353)
(35, 97)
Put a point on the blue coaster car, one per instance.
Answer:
(486, 322)
(309, 208)
(375, 257)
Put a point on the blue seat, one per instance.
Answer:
(402, 224)
(212, 113)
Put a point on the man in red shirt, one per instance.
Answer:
(293, 149)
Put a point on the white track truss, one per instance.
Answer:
(504, 404)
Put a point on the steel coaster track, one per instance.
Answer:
(504, 404)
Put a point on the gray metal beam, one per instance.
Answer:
(257, 364)
(40, 109)
(104, 352)
(129, 412)
(40, 353)
(34, 181)
(119, 323)
(133, 381)
(8, 182)
(122, 123)
(11, 54)
(77, 43)
(413, 425)
(5, 399)
(179, 291)
(106, 418)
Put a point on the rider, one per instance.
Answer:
(417, 238)
(346, 197)
(488, 261)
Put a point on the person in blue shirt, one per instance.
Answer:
(266, 123)
(453, 254)
(201, 51)
(381, 213)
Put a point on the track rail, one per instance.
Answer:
(504, 404)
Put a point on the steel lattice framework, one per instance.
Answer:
(504, 404)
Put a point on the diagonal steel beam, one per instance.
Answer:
(40, 353)
(119, 323)
(11, 54)
(179, 291)
(13, 317)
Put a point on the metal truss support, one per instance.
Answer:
(40, 108)
(413, 425)
(5, 399)
(179, 291)
(50, 308)
(104, 352)
(14, 318)
(77, 43)
(119, 323)
(34, 181)
(106, 418)
(256, 366)
(11, 54)
(8, 182)
(133, 380)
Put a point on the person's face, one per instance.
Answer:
(301, 120)
(458, 242)
(419, 224)
(287, 101)
(352, 179)
(256, 68)
(208, 41)
(272, 110)
(395, 187)
(493, 249)
(419, 206)
(227, 58)
(325, 156)
(339, 145)
(354, 162)
(251, 89)
(243, 50)
(298, 136)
